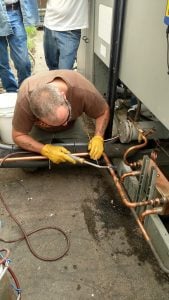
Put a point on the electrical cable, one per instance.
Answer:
(3, 261)
(4, 258)
(17, 289)
(112, 139)
(26, 235)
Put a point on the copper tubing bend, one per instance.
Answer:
(124, 196)
(126, 201)
(122, 192)
(148, 212)
(133, 173)
(134, 148)
(119, 186)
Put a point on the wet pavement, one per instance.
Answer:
(108, 258)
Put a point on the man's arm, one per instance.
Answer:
(96, 144)
(102, 122)
(26, 142)
(56, 154)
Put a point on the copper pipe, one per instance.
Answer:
(147, 212)
(124, 196)
(122, 192)
(133, 173)
(147, 238)
(133, 148)
(34, 157)
(144, 232)
(125, 200)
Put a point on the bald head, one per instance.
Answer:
(45, 100)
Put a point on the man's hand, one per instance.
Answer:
(96, 147)
(57, 154)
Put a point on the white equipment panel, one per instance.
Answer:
(144, 55)
(103, 25)
(143, 66)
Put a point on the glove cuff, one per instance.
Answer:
(99, 137)
(45, 149)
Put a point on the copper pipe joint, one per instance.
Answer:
(124, 196)
(122, 192)
(154, 211)
(134, 148)
(133, 173)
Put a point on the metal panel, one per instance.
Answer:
(85, 51)
(103, 24)
(144, 55)
(159, 237)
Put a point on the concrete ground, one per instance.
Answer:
(108, 257)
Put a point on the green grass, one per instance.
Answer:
(31, 34)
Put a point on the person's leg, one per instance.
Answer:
(68, 43)
(7, 77)
(51, 49)
(18, 46)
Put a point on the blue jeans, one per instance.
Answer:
(17, 43)
(60, 48)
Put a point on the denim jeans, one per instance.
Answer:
(60, 48)
(17, 44)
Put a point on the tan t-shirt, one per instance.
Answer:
(81, 94)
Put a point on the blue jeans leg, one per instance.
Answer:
(60, 48)
(51, 49)
(18, 51)
(8, 80)
(18, 47)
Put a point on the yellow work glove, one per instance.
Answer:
(57, 154)
(96, 147)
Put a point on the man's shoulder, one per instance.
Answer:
(38, 79)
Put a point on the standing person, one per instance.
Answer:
(52, 102)
(63, 22)
(14, 15)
